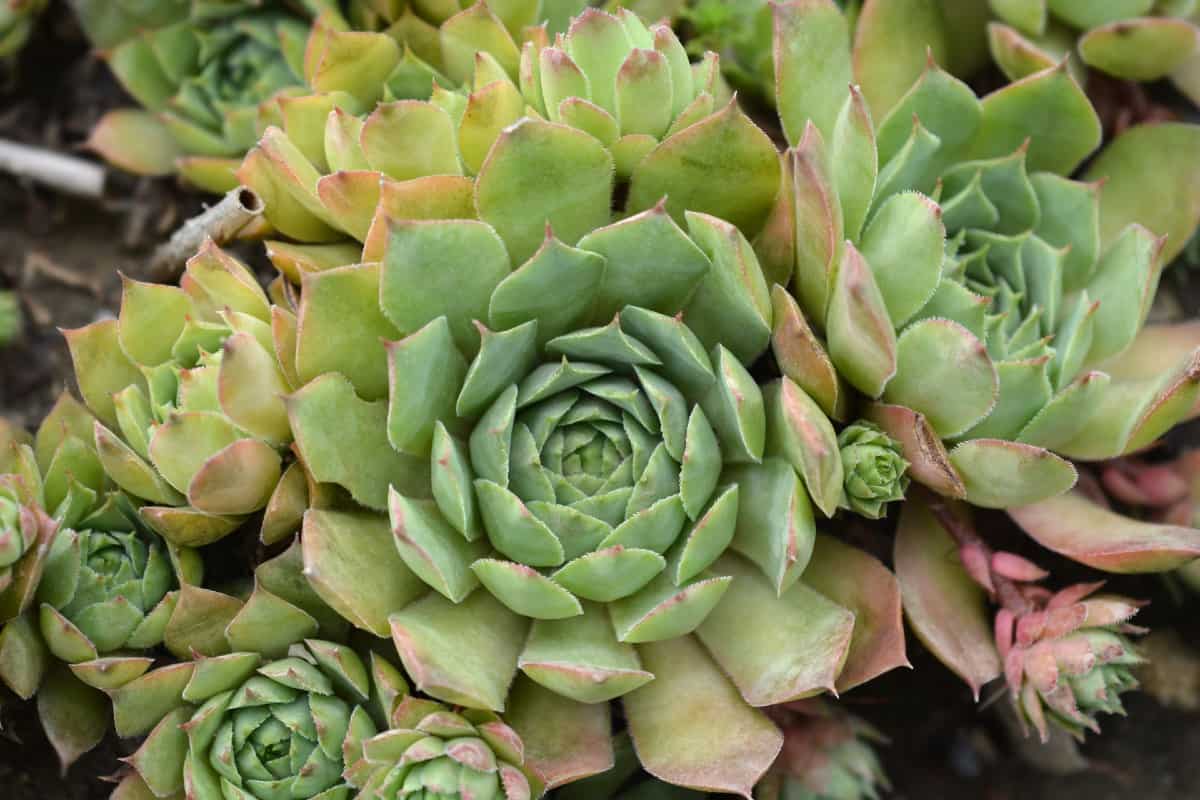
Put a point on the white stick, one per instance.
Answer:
(221, 223)
(64, 173)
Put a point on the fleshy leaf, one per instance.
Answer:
(662, 720)
(1079, 529)
(943, 604)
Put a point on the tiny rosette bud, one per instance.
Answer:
(104, 591)
(875, 470)
(434, 752)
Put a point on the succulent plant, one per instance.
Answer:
(17, 18)
(990, 339)
(186, 386)
(828, 754)
(1065, 655)
(203, 85)
(210, 77)
(251, 725)
(431, 751)
(1069, 659)
(1144, 40)
(597, 470)
(10, 317)
(105, 587)
(874, 468)
(329, 175)
(92, 588)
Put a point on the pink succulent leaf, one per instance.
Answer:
(1073, 594)
(1074, 526)
(1016, 568)
(1004, 629)
(975, 558)
(1061, 621)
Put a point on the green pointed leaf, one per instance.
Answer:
(800, 433)
(862, 341)
(1060, 137)
(734, 406)
(425, 373)
(732, 305)
(581, 658)
(525, 590)
(431, 633)
(342, 329)
(353, 563)
(410, 139)
(812, 60)
(537, 174)
(432, 548)
(651, 263)
(514, 530)
(688, 686)
(555, 287)
(933, 354)
(775, 527)
(776, 647)
(343, 440)
(661, 610)
(904, 245)
(1139, 49)
(101, 367)
(73, 714)
(725, 149)
(441, 268)
(893, 42)
(610, 573)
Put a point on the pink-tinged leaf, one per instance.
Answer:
(135, 141)
(564, 740)
(351, 199)
(944, 606)
(73, 714)
(1077, 528)
(801, 356)
(857, 581)
(674, 717)
(101, 367)
(928, 461)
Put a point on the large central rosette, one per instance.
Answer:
(570, 461)
(595, 459)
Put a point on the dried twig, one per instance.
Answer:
(221, 223)
(62, 172)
